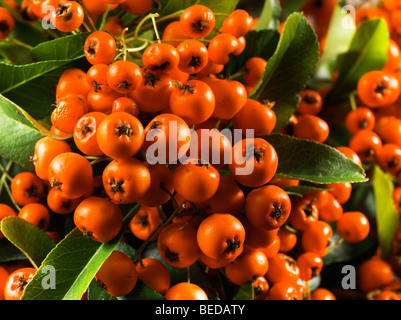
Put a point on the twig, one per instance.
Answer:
(11, 197)
(140, 24)
(341, 240)
(5, 184)
(5, 172)
(155, 28)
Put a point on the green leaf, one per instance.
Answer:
(244, 292)
(386, 213)
(9, 252)
(305, 189)
(289, 69)
(33, 85)
(17, 75)
(65, 48)
(270, 15)
(18, 135)
(168, 7)
(15, 168)
(28, 33)
(39, 96)
(367, 52)
(31, 240)
(314, 162)
(261, 44)
(339, 36)
(76, 260)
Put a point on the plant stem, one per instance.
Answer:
(144, 244)
(192, 212)
(207, 269)
(162, 19)
(159, 225)
(85, 25)
(174, 214)
(235, 75)
(118, 56)
(146, 43)
(3, 179)
(93, 159)
(159, 5)
(170, 194)
(5, 172)
(289, 228)
(134, 210)
(341, 240)
(5, 184)
(229, 124)
(8, 168)
(221, 14)
(104, 17)
(17, 42)
(123, 43)
(155, 28)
